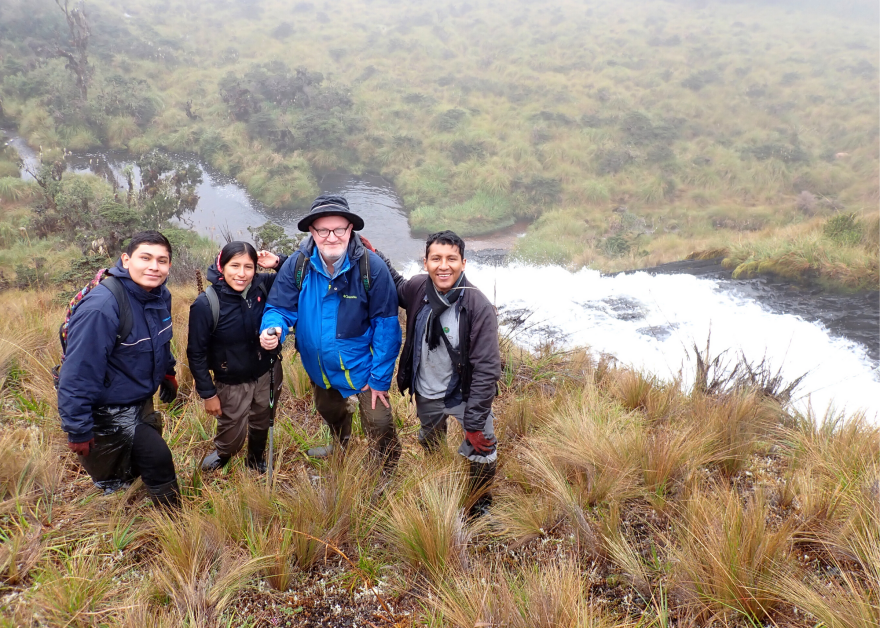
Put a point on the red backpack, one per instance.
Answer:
(126, 320)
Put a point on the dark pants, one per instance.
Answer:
(128, 444)
(245, 409)
(151, 459)
(433, 415)
(378, 423)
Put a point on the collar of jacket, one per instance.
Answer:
(463, 286)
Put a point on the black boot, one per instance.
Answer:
(166, 496)
(389, 451)
(257, 450)
(480, 479)
(214, 461)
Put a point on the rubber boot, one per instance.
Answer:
(325, 451)
(257, 450)
(389, 450)
(166, 496)
(214, 461)
(480, 479)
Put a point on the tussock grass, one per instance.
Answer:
(554, 596)
(423, 523)
(726, 556)
(195, 569)
(77, 591)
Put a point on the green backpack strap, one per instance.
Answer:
(214, 303)
(300, 269)
(364, 265)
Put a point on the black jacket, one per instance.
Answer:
(478, 333)
(232, 351)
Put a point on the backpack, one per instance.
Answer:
(214, 303)
(302, 269)
(126, 319)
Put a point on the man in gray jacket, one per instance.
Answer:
(451, 360)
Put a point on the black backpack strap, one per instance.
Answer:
(301, 269)
(214, 303)
(364, 265)
(126, 319)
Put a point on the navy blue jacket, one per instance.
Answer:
(347, 337)
(98, 373)
(232, 351)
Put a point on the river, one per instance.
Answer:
(648, 320)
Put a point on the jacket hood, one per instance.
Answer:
(214, 275)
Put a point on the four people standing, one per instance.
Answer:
(340, 297)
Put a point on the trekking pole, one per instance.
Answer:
(272, 332)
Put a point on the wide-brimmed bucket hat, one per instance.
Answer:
(330, 205)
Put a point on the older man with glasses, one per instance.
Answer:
(342, 302)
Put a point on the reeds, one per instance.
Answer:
(423, 524)
(726, 556)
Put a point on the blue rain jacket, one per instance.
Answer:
(347, 337)
(98, 373)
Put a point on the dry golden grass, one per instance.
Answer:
(726, 555)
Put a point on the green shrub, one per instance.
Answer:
(844, 229)
(273, 238)
(483, 213)
(9, 169)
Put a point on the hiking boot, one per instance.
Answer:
(480, 507)
(214, 461)
(481, 477)
(166, 496)
(257, 450)
(324, 451)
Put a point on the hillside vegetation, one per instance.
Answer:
(631, 132)
(623, 501)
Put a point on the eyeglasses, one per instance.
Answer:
(338, 231)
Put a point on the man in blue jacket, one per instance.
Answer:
(106, 386)
(347, 332)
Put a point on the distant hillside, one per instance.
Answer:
(702, 123)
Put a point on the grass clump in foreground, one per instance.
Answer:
(622, 500)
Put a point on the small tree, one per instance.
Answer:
(273, 238)
(80, 31)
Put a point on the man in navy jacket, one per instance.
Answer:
(105, 390)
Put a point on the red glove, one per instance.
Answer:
(81, 448)
(479, 442)
(367, 244)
